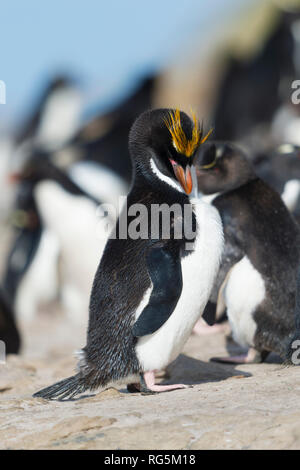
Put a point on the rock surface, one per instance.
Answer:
(227, 407)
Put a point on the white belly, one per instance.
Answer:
(291, 194)
(244, 291)
(198, 273)
(99, 181)
(40, 283)
(73, 219)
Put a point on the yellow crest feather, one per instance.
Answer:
(182, 144)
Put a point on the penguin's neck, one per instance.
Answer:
(148, 174)
(164, 179)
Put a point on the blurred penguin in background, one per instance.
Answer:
(7, 191)
(9, 332)
(110, 149)
(280, 168)
(98, 156)
(92, 161)
(254, 90)
(30, 273)
(70, 222)
(72, 216)
(54, 119)
(30, 277)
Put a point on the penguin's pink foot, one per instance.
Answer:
(253, 357)
(149, 386)
(201, 328)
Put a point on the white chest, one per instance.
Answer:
(42, 273)
(291, 194)
(198, 273)
(244, 291)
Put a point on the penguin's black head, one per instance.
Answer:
(164, 142)
(222, 166)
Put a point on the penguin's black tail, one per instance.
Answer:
(64, 390)
(293, 350)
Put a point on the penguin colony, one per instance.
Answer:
(148, 293)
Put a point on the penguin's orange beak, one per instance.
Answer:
(184, 177)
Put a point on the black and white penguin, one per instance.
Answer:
(30, 273)
(148, 291)
(97, 156)
(280, 168)
(68, 217)
(101, 141)
(253, 89)
(104, 139)
(55, 116)
(257, 279)
(53, 120)
(76, 218)
(9, 332)
(32, 258)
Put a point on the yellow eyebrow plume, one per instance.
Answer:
(209, 165)
(182, 144)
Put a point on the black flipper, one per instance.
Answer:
(294, 343)
(9, 332)
(65, 389)
(164, 269)
(209, 314)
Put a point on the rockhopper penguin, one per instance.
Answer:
(257, 279)
(149, 292)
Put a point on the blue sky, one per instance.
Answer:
(104, 43)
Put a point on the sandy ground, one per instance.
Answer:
(227, 407)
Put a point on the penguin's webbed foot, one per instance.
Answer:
(147, 385)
